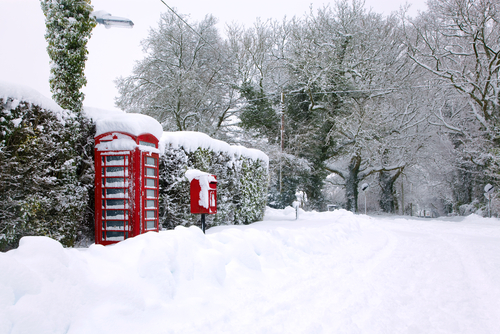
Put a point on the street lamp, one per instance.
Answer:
(106, 19)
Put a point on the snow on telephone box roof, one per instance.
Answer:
(115, 121)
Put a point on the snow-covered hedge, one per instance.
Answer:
(46, 176)
(242, 176)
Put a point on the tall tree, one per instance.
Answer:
(69, 27)
(457, 41)
(185, 80)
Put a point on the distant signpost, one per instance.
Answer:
(488, 191)
(364, 187)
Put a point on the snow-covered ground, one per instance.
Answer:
(331, 272)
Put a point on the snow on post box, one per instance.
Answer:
(203, 191)
(127, 177)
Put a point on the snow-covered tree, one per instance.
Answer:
(185, 80)
(457, 41)
(349, 67)
(69, 27)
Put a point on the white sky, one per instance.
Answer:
(113, 52)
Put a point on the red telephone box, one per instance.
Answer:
(126, 186)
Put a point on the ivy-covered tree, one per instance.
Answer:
(69, 27)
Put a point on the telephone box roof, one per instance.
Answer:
(134, 124)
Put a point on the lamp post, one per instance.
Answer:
(109, 21)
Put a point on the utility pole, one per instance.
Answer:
(402, 198)
(282, 132)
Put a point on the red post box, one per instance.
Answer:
(203, 192)
(126, 186)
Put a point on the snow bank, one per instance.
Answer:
(156, 282)
(23, 93)
(330, 272)
(191, 141)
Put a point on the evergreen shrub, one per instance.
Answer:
(46, 175)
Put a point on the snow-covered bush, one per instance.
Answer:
(45, 180)
(242, 177)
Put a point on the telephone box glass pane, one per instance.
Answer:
(114, 236)
(150, 161)
(150, 183)
(116, 171)
(150, 204)
(115, 224)
(150, 224)
(115, 203)
(150, 214)
(115, 214)
(150, 171)
(116, 160)
(114, 193)
(114, 182)
(151, 193)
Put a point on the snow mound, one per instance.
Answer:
(24, 93)
(156, 282)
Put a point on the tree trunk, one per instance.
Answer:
(351, 185)
(387, 198)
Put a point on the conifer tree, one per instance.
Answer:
(69, 27)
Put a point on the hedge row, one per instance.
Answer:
(46, 173)
(47, 176)
(241, 189)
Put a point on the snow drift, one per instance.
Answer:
(331, 272)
